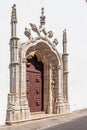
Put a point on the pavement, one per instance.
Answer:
(45, 121)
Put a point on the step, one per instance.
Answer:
(36, 113)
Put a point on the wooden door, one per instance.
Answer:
(34, 77)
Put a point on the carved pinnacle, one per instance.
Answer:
(42, 17)
(64, 36)
(14, 16)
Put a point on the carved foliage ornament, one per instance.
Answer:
(39, 31)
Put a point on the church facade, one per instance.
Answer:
(38, 73)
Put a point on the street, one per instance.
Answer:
(76, 124)
(73, 121)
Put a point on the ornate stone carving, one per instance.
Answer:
(14, 17)
(55, 41)
(50, 34)
(35, 29)
(42, 17)
(39, 30)
(28, 33)
(55, 80)
(43, 29)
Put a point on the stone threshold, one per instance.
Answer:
(36, 116)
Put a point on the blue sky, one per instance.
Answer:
(60, 14)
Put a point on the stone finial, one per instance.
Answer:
(14, 16)
(64, 36)
(64, 42)
(42, 17)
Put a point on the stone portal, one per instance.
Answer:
(38, 73)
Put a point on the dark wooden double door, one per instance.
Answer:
(34, 79)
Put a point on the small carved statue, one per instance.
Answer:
(28, 33)
(44, 31)
(55, 42)
(42, 20)
(35, 29)
(50, 34)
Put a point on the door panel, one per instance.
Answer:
(34, 85)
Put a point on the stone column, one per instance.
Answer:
(65, 72)
(65, 66)
(65, 76)
(13, 110)
(13, 107)
(50, 107)
(59, 103)
(45, 87)
(65, 82)
(23, 98)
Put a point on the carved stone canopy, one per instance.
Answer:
(41, 31)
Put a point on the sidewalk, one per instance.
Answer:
(44, 122)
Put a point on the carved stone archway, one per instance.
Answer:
(49, 58)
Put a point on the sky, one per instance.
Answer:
(60, 14)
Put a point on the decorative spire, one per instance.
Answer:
(42, 17)
(64, 36)
(13, 21)
(64, 42)
(14, 16)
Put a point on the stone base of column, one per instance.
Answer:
(62, 107)
(66, 107)
(49, 110)
(59, 105)
(16, 111)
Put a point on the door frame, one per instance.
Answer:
(51, 59)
